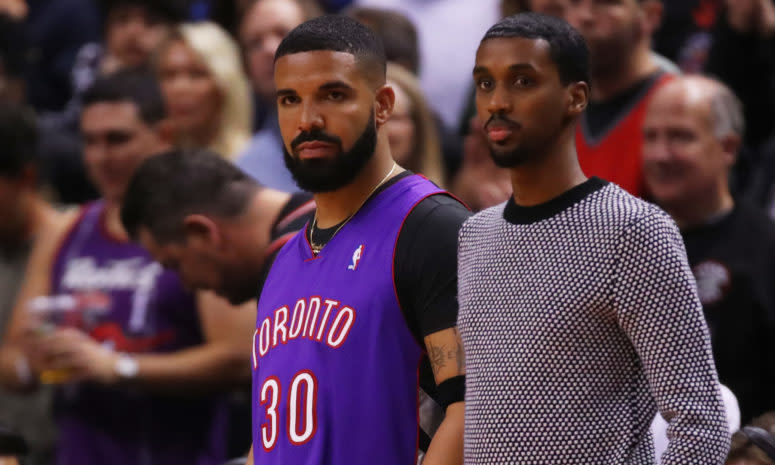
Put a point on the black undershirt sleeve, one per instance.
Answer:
(297, 200)
(425, 270)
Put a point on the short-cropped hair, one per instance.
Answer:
(137, 86)
(170, 186)
(567, 47)
(338, 33)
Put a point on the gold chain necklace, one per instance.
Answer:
(316, 248)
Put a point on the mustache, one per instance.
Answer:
(498, 118)
(315, 135)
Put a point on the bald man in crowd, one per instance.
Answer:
(692, 133)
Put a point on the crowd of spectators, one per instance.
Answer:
(682, 114)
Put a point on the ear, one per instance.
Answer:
(578, 98)
(730, 145)
(202, 232)
(385, 100)
(652, 15)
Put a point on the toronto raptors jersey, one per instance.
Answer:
(335, 366)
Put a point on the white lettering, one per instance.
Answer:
(279, 325)
(309, 329)
(263, 337)
(298, 319)
(336, 342)
(329, 305)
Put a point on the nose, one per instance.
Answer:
(655, 148)
(499, 101)
(310, 118)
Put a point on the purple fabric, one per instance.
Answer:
(130, 303)
(329, 329)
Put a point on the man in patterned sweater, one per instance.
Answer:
(578, 311)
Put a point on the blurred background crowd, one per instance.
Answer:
(199, 73)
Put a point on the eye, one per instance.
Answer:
(682, 136)
(523, 81)
(336, 96)
(118, 137)
(288, 100)
(484, 84)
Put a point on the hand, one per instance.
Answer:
(74, 352)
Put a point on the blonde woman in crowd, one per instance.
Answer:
(412, 130)
(205, 89)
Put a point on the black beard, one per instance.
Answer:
(511, 159)
(331, 174)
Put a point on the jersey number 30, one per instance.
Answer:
(301, 412)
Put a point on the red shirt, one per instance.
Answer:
(616, 154)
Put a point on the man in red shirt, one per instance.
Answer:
(624, 74)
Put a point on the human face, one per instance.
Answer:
(190, 91)
(116, 140)
(611, 28)
(400, 128)
(684, 162)
(263, 28)
(132, 34)
(326, 112)
(519, 99)
(204, 265)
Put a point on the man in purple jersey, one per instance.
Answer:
(353, 301)
(137, 356)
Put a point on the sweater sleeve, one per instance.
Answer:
(656, 302)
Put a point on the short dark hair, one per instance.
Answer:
(397, 32)
(170, 186)
(18, 139)
(138, 86)
(567, 47)
(338, 33)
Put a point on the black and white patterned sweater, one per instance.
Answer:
(580, 320)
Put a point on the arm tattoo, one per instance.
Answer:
(437, 356)
(440, 355)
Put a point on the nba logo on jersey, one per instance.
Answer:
(356, 258)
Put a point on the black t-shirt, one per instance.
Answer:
(297, 212)
(425, 263)
(733, 261)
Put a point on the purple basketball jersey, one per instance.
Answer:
(128, 302)
(335, 366)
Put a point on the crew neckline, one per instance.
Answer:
(517, 214)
